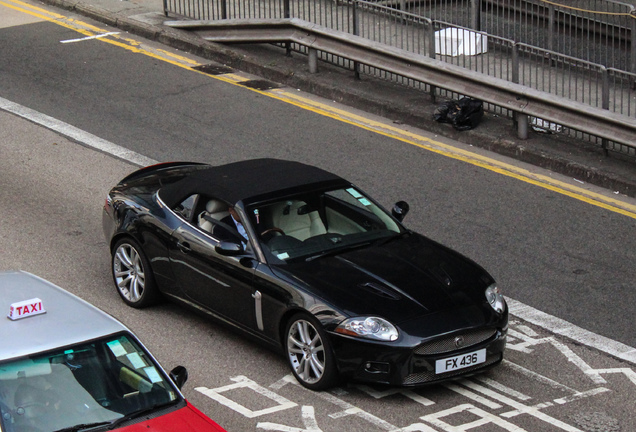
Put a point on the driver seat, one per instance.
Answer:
(214, 209)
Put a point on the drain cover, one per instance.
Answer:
(213, 70)
(260, 84)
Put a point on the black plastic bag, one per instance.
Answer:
(463, 114)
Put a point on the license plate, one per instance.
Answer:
(460, 361)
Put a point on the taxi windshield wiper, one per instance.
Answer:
(83, 426)
(140, 413)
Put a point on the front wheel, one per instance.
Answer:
(132, 274)
(309, 353)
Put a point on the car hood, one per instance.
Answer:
(405, 278)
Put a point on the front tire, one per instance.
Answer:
(309, 353)
(132, 274)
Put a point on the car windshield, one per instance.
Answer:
(311, 225)
(88, 384)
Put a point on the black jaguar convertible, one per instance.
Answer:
(306, 262)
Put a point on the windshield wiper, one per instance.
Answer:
(83, 426)
(385, 240)
(140, 413)
(337, 250)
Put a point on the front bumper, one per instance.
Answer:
(386, 363)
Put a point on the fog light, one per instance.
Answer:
(376, 367)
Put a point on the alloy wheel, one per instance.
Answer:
(129, 272)
(306, 351)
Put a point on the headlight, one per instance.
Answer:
(495, 298)
(368, 327)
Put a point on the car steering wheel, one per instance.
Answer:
(271, 230)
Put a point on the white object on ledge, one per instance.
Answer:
(453, 41)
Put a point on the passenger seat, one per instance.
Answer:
(295, 220)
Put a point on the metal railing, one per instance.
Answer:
(599, 31)
(535, 67)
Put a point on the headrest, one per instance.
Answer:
(215, 206)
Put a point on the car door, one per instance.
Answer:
(220, 284)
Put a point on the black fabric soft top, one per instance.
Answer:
(246, 180)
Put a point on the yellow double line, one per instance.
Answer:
(561, 187)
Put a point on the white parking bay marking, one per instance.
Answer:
(502, 388)
(569, 330)
(483, 418)
(533, 411)
(472, 395)
(309, 422)
(347, 408)
(379, 394)
(242, 382)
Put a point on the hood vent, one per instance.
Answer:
(380, 290)
(441, 275)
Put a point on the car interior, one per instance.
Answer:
(214, 209)
(299, 225)
(82, 385)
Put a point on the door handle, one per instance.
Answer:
(184, 247)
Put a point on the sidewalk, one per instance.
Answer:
(580, 160)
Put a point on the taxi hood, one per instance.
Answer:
(186, 419)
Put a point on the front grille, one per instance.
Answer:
(447, 344)
(430, 376)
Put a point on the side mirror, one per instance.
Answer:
(400, 209)
(227, 248)
(179, 376)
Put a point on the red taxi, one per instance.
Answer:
(66, 366)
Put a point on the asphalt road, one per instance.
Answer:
(557, 253)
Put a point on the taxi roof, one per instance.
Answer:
(68, 319)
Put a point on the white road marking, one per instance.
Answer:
(518, 406)
(502, 388)
(379, 394)
(483, 418)
(89, 37)
(541, 319)
(561, 327)
(75, 134)
(629, 373)
(347, 408)
(242, 382)
(581, 395)
(578, 362)
(471, 395)
(467, 388)
(309, 422)
(532, 375)
(528, 341)
(526, 330)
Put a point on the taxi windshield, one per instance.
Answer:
(92, 383)
(313, 224)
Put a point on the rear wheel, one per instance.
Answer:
(309, 353)
(132, 274)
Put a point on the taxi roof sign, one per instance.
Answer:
(25, 308)
(68, 319)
